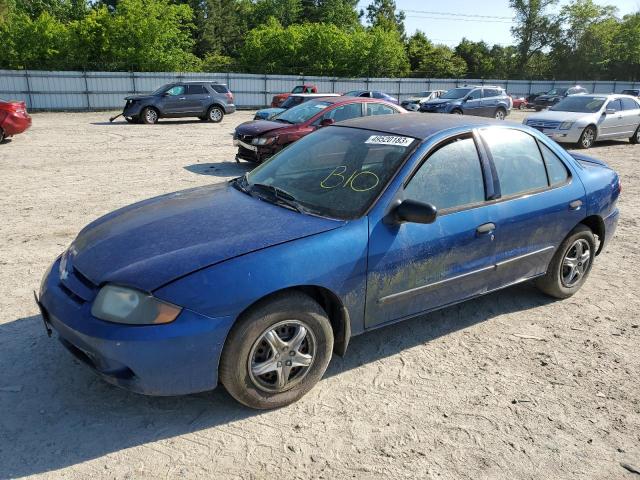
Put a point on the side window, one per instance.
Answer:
(298, 89)
(557, 171)
(196, 90)
(220, 88)
(491, 92)
(379, 109)
(629, 104)
(517, 160)
(475, 95)
(344, 112)
(377, 95)
(614, 105)
(176, 90)
(451, 177)
(365, 94)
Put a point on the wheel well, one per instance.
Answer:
(331, 304)
(596, 224)
(216, 105)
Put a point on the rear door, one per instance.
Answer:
(631, 115)
(416, 267)
(198, 99)
(538, 202)
(490, 98)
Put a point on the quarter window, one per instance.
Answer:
(220, 88)
(558, 173)
(517, 160)
(629, 104)
(451, 177)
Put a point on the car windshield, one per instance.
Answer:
(456, 93)
(298, 89)
(353, 93)
(579, 104)
(557, 91)
(301, 113)
(292, 101)
(162, 89)
(425, 94)
(335, 172)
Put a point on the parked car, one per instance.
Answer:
(519, 102)
(277, 99)
(260, 139)
(531, 99)
(372, 94)
(554, 95)
(208, 101)
(634, 92)
(254, 283)
(483, 101)
(586, 119)
(292, 101)
(413, 103)
(14, 118)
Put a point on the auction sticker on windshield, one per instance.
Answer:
(390, 140)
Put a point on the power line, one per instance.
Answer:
(456, 14)
(454, 19)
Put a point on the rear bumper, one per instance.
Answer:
(174, 359)
(610, 225)
(229, 108)
(14, 123)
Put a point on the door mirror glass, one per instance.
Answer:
(413, 211)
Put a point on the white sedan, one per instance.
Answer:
(585, 119)
(413, 104)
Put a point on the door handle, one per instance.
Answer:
(182, 98)
(575, 205)
(485, 228)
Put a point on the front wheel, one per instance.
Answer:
(635, 139)
(215, 114)
(149, 115)
(570, 265)
(277, 351)
(587, 138)
(2, 135)
(500, 114)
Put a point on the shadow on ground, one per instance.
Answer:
(221, 169)
(56, 413)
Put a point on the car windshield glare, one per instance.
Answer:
(161, 89)
(303, 112)
(336, 172)
(579, 104)
(456, 93)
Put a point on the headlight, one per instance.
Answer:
(264, 140)
(126, 305)
(566, 125)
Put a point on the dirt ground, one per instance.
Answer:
(510, 386)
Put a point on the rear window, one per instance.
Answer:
(220, 88)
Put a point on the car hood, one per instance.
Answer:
(546, 97)
(269, 112)
(148, 244)
(258, 127)
(441, 101)
(414, 100)
(138, 97)
(563, 116)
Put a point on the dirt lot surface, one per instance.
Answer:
(513, 385)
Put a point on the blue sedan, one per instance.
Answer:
(255, 283)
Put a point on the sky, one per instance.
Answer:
(466, 21)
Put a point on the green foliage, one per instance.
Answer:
(442, 62)
(383, 14)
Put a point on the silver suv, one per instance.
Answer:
(479, 100)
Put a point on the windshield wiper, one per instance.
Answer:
(242, 184)
(283, 120)
(280, 196)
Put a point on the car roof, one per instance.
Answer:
(344, 99)
(315, 95)
(196, 82)
(419, 125)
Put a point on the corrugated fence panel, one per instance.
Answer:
(45, 90)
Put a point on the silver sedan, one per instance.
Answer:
(586, 119)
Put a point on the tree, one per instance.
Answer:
(419, 47)
(220, 26)
(535, 29)
(477, 57)
(287, 12)
(341, 13)
(442, 62)
(382, 14)
(625, 49)
(63, 10)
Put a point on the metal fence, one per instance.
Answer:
(47, 90)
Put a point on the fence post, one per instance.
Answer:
(530, 85)
(265, 90)
(399, 88)
(593, 90)
(86, 88)
(333, 85)
(428, 83)
(133, 82)
(506, 87)
(26, 77)
(615, 82)
(366, 82)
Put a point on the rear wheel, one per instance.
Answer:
(215, 114)
(500, 114)
(149, 115)
(588, 137)
(570, 265)
(2, 135)
(277, 351)
(635, 139)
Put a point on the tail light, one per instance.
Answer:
(229, 96)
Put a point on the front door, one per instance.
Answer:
(174, 101)
(415, 267)
(473, 103)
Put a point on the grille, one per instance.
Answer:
(244, 138)
(79, 288)
(543, 123)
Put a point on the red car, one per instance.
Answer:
(259, 139)
(518, 102)
(14, 119)
(277, 100)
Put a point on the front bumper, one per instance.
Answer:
(173, 359)
(15, 123)
(254, 153)
(562, 136)
(132, 109)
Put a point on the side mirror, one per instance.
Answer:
(413, 211)
(325, 122)
(610, 111)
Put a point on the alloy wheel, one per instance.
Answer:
(151, 115)
(282, 356)
(575, 263)
(215, 115)
(500, 115)
(588, 136)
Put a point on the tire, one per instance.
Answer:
(457, 111)
(635, 138)
(538, 109)
(215, 114)
(132, 119)
(149, 115)
(247, 347)
(521, 106)
(2, 135)
(567, 260)
(588, 137)
(500, 114)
